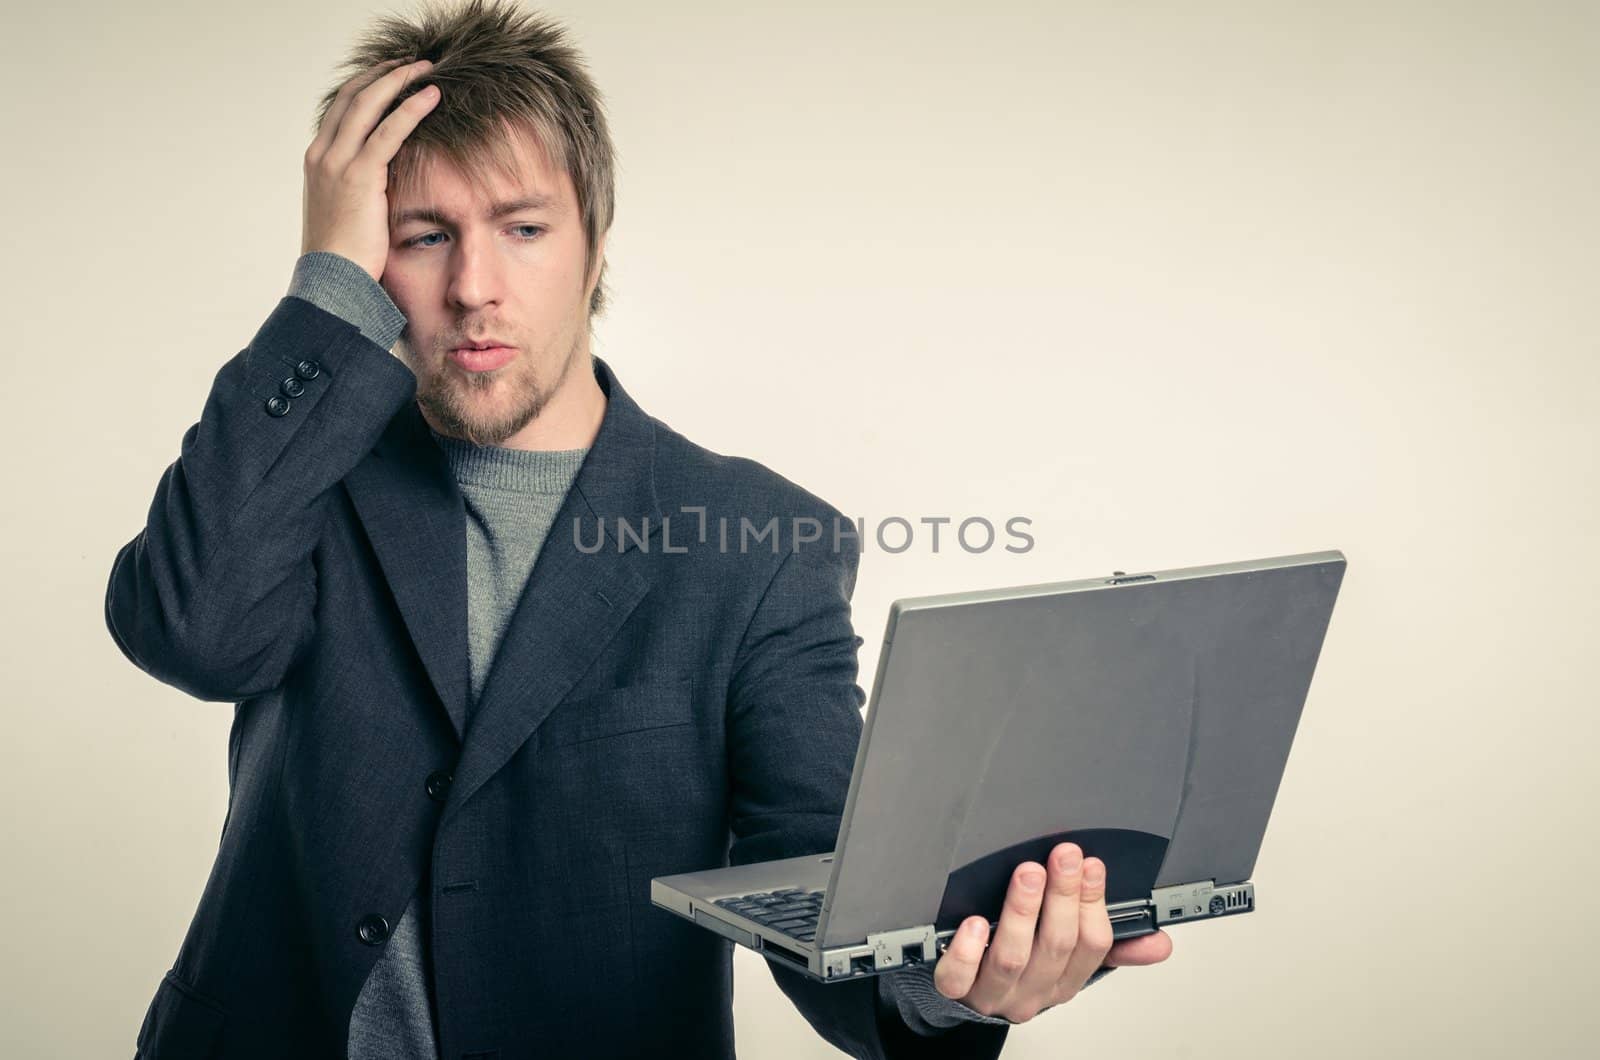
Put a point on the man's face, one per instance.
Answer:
(504, 266)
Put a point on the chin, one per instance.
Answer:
(482, 418)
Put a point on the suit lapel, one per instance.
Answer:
(408, 501)
(576, 598)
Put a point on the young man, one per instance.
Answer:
(484, 693)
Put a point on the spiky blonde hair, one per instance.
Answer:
(501, 70)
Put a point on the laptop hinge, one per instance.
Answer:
(914, 945)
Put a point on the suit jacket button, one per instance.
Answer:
(292, 387)
(307, 369)
(438, 785)
(277, 405)
(372, 929)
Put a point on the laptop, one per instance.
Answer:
(1145, 717)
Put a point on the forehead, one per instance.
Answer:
(515, 169)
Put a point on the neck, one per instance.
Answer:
(571, 418)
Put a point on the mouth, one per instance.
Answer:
(483, 356)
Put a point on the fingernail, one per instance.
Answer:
(973, 928)
(1093, 872)
(1070, 860)
(1032, 881)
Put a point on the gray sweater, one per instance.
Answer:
(511, 498)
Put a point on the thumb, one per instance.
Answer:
(957, 969)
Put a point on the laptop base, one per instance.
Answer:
(704, 898)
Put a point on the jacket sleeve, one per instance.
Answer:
(794, 721)
(215, 594)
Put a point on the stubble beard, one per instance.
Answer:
(446, 396)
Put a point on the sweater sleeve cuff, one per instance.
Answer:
(925, 1010)
(920, 1005)
(336, 284)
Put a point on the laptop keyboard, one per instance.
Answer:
(791, 910)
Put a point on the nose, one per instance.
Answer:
(476, 275)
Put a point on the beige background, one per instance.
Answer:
(1180, 283)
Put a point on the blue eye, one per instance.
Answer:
(532, 232)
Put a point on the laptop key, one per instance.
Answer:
(788, 909)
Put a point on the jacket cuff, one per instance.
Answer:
(337, 285)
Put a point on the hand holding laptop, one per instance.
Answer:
(1054, 932)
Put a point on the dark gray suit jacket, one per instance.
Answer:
(658, 706)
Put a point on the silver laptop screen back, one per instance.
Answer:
(1164, 708)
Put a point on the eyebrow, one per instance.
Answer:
(497, 211)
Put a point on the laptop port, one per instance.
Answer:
(783, 954)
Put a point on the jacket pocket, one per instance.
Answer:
(181, 1024)
(618, 711)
